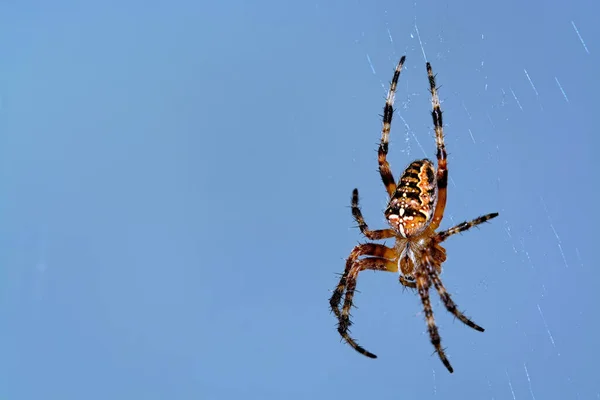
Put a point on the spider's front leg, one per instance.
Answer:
(447, 299)
(423, 285)
(380, 259)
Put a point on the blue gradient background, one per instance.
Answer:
(175, 180)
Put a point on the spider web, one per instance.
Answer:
(171, 211)
(526, 276)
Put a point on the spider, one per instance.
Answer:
(414, 212)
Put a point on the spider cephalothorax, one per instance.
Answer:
(414, 212)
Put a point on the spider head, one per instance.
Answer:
(420, 250)
(411, 208)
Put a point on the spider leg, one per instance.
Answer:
(442, 167)
(388, 113)
(423, 289)
(366, 249)
(448, 302)
(441, 236)
(379, 262)
(372, 235)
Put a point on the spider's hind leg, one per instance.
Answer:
(441, 155)
(388, 113)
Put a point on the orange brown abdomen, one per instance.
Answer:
(411, 208)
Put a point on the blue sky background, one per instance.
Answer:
(175, 180)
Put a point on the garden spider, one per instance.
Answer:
(414, 212)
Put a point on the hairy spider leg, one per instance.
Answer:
(388, 113)
(364, 228)
(380, 259)
(463, 226)
(448, 302)
(442, 167)
(423, 289)
(365, 249)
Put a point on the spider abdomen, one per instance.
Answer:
(411, 208)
